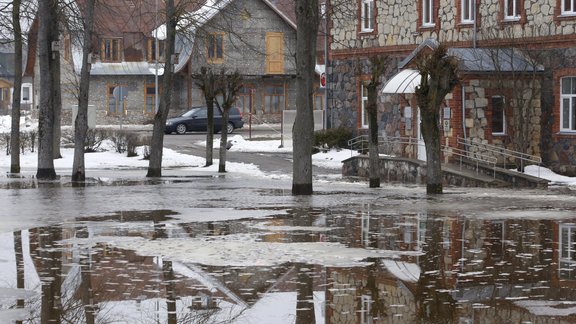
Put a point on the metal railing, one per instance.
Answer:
(448, 151)
(524, 158)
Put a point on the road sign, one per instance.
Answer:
(323, 80)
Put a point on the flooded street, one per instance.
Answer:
(209, 249)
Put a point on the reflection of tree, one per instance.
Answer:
(86, 291)
(377, 303)
(170, 291)
(19, 267)
(304, 295)
(50, 270)
(435, 305)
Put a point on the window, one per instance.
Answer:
(367, 16)
(150, 99)
(498, 115)
(111, 50)
(274, 53)
(274, 99)
(568, 7)
(567, 254)
(215, 47)
(568, 105)
(25, 93)
(243, 99)
(67, 48)
(467, 11)
(318, 102)
(116, 99)
(364, 103)
(512, 9)
(427, 13)
(366, 302)
(152, 50)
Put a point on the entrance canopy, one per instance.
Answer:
(404, 81)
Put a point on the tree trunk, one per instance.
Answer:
(81, 122)
(307, 20)
(46, 35)
(157, 143)
(223, 139)
(431, 134)
(374, 156)
(16, 95)
(210, 125)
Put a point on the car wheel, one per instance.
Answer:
(230, 128)
(181, 129)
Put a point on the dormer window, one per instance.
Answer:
(152, 50)
(111, 50)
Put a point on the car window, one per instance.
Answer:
(190, 113)
(201, 113)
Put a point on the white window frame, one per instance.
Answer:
(467, 10)
(570, 99)
(367, 16)
(364, 103)
(428, 13)
(366, 305)
(568, 11)
(568, 258)
(515, 14)
(503, 132)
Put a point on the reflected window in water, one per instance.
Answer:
(365, 313)
(567, 255)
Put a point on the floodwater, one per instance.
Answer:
(214, 250)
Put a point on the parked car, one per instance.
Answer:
(196, 119)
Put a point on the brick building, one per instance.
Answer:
(517, 70)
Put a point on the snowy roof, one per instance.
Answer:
(480, 59)
(125, 68)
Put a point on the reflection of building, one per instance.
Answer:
(482, 271)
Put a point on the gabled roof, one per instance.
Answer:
(199, 17)
(480, 59)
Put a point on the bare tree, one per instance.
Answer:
(231, 84)
(81, 122)
(47, 37)
(157, 142)
(16, 95)
(307, 19)
(439, 75)
(208, 83)
(378, 64)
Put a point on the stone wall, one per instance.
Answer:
(397, 23)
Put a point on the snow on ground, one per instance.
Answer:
(547, 174)
(243, 250)
(109, 159)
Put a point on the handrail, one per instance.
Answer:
(462, 154)
(504, 152)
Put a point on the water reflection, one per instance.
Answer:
(446, 269)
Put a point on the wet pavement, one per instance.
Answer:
(204, 248)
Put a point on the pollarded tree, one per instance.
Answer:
(208, 83)
(307, 19)
(439, 75)
(230, 86)
(378, 64)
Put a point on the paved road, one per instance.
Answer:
(269, 162)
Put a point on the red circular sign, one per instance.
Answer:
(323, 79)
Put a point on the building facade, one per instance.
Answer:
(523, 107)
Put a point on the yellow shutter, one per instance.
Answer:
(274, 53)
